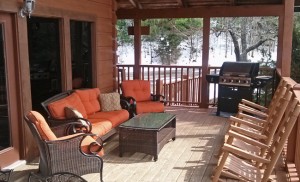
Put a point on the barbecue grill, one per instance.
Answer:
(236, 82)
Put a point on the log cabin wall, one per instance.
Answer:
(101, 13)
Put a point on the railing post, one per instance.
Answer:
(121, 77)
(159, 87)
(185, 88)
(122, 74)
(171, 85)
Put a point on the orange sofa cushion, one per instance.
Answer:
(138, 89)
(115, 117)
(149, 106)
(100, 128)
(43, 128)
(57, 108)
(89, 98)
(85, 143)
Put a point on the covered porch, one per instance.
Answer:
(200, 133)
(191, 157)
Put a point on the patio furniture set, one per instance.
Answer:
(83, 119)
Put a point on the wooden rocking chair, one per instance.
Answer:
(261, 111)
(258, 132)
(231, 165)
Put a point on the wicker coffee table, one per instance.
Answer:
(147, 133)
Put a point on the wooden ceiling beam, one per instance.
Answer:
(200, 12)
(182, 3)
(233, 2)
(136, 4)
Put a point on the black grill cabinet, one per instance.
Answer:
(235, 83)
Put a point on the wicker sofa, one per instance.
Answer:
(87, 102)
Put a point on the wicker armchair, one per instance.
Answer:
(138, 93)
(5, 175)
(78, 154)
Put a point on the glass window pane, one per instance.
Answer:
(81, 54)
(44, 59)
(5, 140)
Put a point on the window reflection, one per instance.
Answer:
(4, 121)
(44, 59)
(81, 54)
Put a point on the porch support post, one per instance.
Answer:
(285, 36)
(66, 63)
(205, 57)
(137, 48)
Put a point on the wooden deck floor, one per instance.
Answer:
(191, 157)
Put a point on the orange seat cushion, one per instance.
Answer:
(40, 123)
(115, 117)
(138, 89)
(57, 108)
(89, 98)
(149, 106)
(100, 128)
(85, 143)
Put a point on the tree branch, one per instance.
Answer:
(259, 43)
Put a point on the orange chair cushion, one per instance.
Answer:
(57, 108)
(40, 123)
(149, 106)
(89, 98)
(138, 89)
(115, 117)
(84, 144)
(100, 128)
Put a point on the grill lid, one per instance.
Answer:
(239, 69)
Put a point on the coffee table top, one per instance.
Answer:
(148, 121)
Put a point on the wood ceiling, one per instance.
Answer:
(166, 4)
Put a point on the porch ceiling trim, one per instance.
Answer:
(136, 4)
(220, 11)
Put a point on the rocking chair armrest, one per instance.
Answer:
(247, 155)
(71, 125)
(250, 110)
(252, 118)
(247, 139)
(245, 122)
(248, 133)
(254, 105)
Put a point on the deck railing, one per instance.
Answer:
(181, 85)
(292, 149)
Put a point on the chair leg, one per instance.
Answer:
(220, 166)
